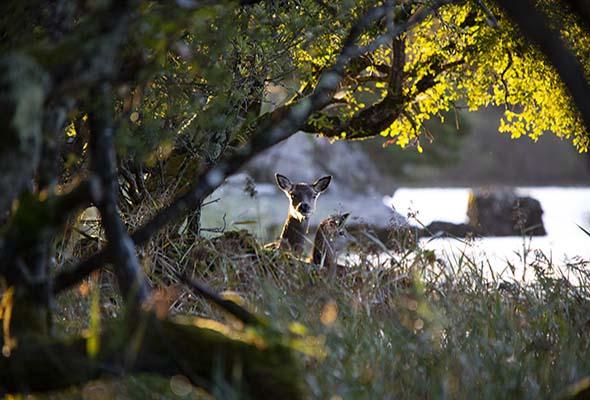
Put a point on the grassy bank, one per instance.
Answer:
(413, 329)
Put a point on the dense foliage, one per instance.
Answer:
(200, 77)
(458, 58)
(190, 81)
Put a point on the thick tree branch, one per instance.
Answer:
(535, 25)
(193, 347)
(376, 118)
(396, 76)
(20, 140)
(430, 79)
(103, 166)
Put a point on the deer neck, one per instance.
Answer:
(294, 233)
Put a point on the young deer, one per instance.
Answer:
(330, 239)
(302, 199)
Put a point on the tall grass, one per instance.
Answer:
(410, 327)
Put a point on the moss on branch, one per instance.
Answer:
(207, 352)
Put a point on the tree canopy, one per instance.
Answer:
(463, 56)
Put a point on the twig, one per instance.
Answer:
(233, 308)
(219, 229)
(208, 203)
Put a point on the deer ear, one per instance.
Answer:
(343, 219)
(322, 184)
(283, 182)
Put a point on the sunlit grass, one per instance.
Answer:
(414, 328)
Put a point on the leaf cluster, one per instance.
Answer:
(457, 58)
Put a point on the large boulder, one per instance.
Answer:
(501, 212)
(305, 158)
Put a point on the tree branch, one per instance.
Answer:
(103, 165)
(233, 308)
(193, 347)
(269, 130)
(376, 118)
(535, 25)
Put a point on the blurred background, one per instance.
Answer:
(464, 152)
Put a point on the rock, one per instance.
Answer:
(503, 213)
(441, 228)
(305, 158)
(529, 216)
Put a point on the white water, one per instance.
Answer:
(564, 209)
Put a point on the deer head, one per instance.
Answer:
(331, 238)
(334, 232)
(302, 196)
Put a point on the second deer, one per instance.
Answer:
(330, 239)
(302, 200)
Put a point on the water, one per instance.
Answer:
(564, 209)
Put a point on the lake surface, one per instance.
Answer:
(564, 209)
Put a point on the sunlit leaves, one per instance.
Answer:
(70, 130)
(456, 59)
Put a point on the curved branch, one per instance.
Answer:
(231, 307)
(376, 118)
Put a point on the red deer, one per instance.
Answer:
(302, 200)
